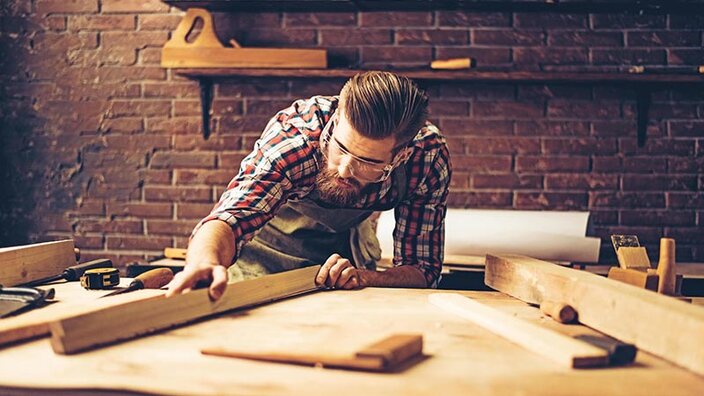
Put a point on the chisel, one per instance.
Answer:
(152, 279)
(72, 273)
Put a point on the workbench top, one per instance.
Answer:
(462, 358)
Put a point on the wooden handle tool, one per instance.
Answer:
(560, 312)
(667, 269)
(152, 279)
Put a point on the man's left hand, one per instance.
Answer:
(338, 273)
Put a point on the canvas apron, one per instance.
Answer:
(308, 231)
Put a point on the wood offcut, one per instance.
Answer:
(23, 264)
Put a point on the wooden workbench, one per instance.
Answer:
(462, 358)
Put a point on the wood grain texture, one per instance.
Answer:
(22, 264)
(655, 323)
(130, 320)
(562, 349)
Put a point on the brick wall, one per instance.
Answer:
(101, 144)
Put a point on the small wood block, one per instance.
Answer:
(560, 312)
(639, 278)
(633, 257)
(395, 349)
(452, 64)
(22, 264)
(175, 253)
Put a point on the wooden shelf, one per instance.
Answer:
(594, 6)
(537, 77)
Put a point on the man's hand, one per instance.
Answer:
(338, 273)
(186, 280)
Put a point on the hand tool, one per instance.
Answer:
(386, 355)
(153, 279)
(620, 353)
(100, 278)
(14, 300)
(72, 273)
(560, 312)
(667, 269)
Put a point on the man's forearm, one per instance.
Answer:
(402, 276)
(213, 243)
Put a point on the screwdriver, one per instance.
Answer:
(152, 279)
(72, 273)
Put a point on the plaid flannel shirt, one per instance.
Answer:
(284, 163)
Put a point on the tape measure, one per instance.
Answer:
(100, 278)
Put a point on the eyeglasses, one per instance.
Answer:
(360, 168)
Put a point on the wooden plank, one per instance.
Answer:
(288, 58)
(555, 346)
(655, 323)
(21, 264)
(643, 279)
(130, 320)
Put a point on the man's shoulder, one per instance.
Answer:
(308, 115)
(429, 138)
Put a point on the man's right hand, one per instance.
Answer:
(187, 279)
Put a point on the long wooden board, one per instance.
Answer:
(558, 347)
(130, 320)
(655, 323)
(21, 264)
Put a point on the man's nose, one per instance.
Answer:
(344, 168)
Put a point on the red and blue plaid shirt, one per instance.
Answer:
(284, 163)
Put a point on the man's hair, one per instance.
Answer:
(381, 104)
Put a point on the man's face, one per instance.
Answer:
(351, 161)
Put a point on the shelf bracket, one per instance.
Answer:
(643, 100)
(206, 102)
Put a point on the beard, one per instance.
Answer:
(336, 190)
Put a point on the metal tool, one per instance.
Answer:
(14, 300)
(100, 278)
(72, 273)
(153, 279)
(620, 241)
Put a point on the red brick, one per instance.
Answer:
(581, 182)
(183, 108)
(439, 107)
(55, 23)
(552, 164)
(266, 107)
(395, 19)
(178, 194)
(629, 56)
(90, 208)
(673, 110)
(516, 110)
(471, 127)
(170, 227)
(473, 19)
(685, 165)
(659, 182)
(663, 38)
(102, 22)
(192, 210)
(140, 210)
(253, 124)
(678, 147)
(585, 38)
(506, 181)
(459, 181)
(431, 37)
(483, 163)
(207, 177)
(159, 22)
(137, 6)
(335, 37)
(136, 142)
(152, 176)
(606, 164)
(478, 200)
(465, 90)
(230, 160)
(658, 217)
(456, 145)
(176, 125)
(131, 73)
(397, 54)
(121, 108)
(693, 235)
(533, 56)
(66, 6)
(88, 242)
(183, 160)
(584, 146)
(507, 37)
(686, 21)
(192, 142)
(627, 21)
(109, 226)
(253, 87)
(508, 145)
(171, 90)
(582, 110)
(552, 128)
(538, 92)
(307, 88)
(138, 243)
(339, 19)
(603, 217)
(626, 199)
(549, 20)
(615, 128)
(551, 200)
(687, 128)
(680, 200)
(149, 56)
